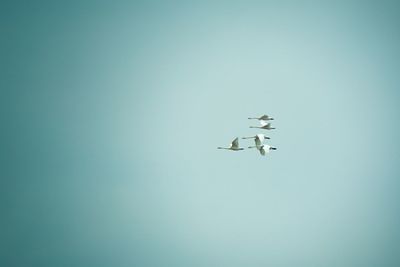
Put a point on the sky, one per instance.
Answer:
(111, 113)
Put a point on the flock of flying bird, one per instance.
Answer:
(258, 139)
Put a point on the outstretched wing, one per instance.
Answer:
(235, 143)
(258, 142)
(263, 123)
(264, 117)
(262, 151)
(266, 148)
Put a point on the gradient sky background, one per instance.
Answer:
(112, 111)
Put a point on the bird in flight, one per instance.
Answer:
(264, 125)
(263, 149)
(262, 118)
(258, 139)
(233, 146)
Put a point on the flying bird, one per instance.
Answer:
(234, 145)
(258, 139)
(262, 118)
(264, 125)
(264, 149)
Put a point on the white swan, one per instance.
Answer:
(258, 139)
(264, 149)
(264, 125)
(234, 145)
(262, 118)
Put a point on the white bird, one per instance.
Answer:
(234, 145)
(264, 125)
(264, 149)
(258, 139)
(262, 118)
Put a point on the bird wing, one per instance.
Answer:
(263, 123)
(235, 143)
(258, 143)
(262, 151)
(260, 137)
(264, 117)
(266, 148)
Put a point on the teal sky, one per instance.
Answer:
(111, 113)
